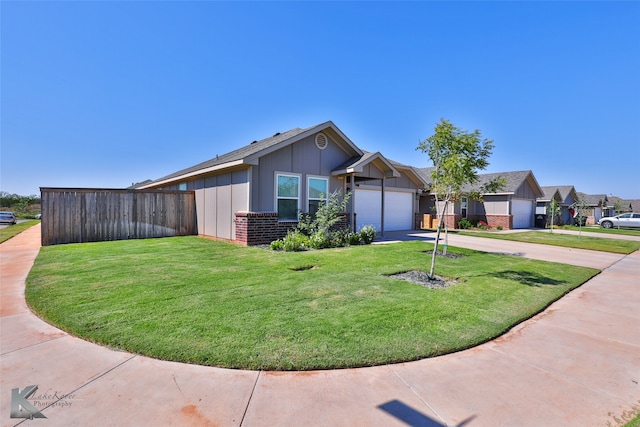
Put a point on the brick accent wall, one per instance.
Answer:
(451, 220)
(262, 228)
(259, 228)
(506, 221)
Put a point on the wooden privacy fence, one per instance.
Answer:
(76, 215)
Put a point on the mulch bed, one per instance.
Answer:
(422, 278)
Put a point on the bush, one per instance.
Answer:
(319, 240)
(464, 224)
(277, 245)
(499, 227)
(483, 225)
(295, 241)
(368, 234)
(354, 238)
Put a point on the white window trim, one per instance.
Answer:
(326, 196)
(275, 193)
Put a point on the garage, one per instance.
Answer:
(398, 213)
(522, 213)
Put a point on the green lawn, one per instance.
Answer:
(13, 230)
(623, 231)
(207, 302)
(565, 240)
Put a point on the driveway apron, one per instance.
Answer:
(575, 364)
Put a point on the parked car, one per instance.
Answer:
(7, 218)
(623, 220)
(39, 216)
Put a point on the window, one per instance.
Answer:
(463, 207)
(182, 186)
(287, 196)
(317, 193)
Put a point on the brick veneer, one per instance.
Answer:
(493, 221)
(260, 228)
(505, 221)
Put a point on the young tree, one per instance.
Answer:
(582, 210)
(553, 210)
(457, 156)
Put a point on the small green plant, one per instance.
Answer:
(482, 225)
(464, 224)
(295, 241)
(499, 228)
(368, 234)
(277, 245)
(319, 240)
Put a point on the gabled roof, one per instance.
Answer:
(566, 191)
(514, 181)
(249, 154)
(550, 193)
(593, 199)
(356, 164)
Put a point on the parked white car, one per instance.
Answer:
(631, 219)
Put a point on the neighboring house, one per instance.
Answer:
(569, 197)
(594, 205)
(567, 201)
(253, 195)
(544, 202)
(511, 207)
(616, 205)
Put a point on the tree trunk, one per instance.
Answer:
(435, 246)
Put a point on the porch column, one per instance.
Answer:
(353, 201)
(384, 178)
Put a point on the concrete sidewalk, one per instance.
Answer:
(576, 364)
(580, 257)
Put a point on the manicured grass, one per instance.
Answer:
(634, 422)
(13, 230)
(623, 231)
(200, 301)
(565, 240)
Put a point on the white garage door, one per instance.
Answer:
(522, 212)
(398, 213)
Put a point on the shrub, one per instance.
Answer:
(499, 227)
(482, 225)
(368, 234)
(319, 240)
(277, 245)
(295, 241)
(464, 224)
(354, 238)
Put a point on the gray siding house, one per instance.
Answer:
(254, 194)
(511, 207)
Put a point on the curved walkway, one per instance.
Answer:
(576, 364)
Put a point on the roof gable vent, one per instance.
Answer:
(321, 141)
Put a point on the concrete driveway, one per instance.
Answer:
(576, 364)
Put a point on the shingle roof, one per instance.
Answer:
(239, 154)
(514, 181)
(548, 193)
(592, 199)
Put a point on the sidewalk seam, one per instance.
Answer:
(255, 384)
(34, 344)
(90, 382)
(418, 396)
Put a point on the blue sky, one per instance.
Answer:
(104, 94)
